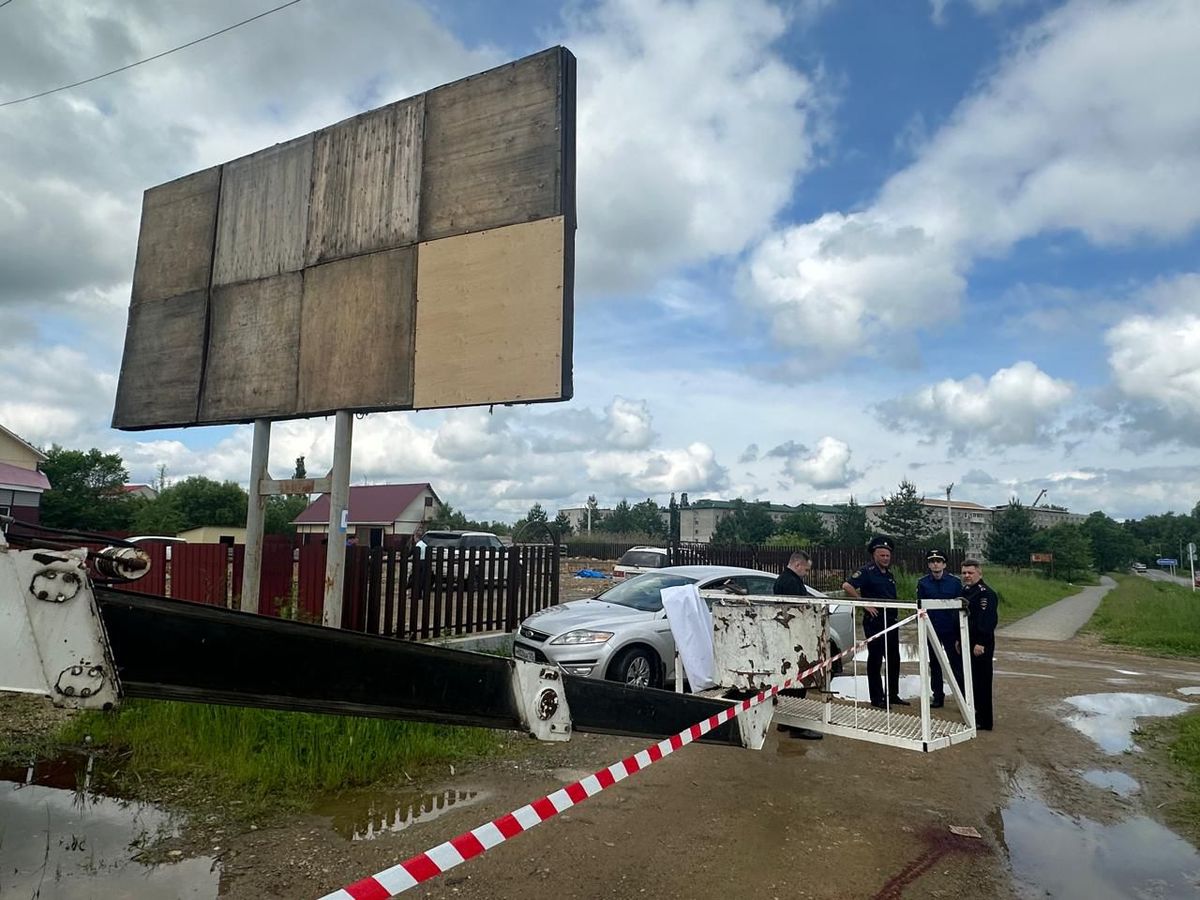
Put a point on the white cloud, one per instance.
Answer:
(1154, 358)
(696, 131)
(629, 424)
(828, 466)
(1082, 127)
(982, 7)
(1016, 405)
(693, 468)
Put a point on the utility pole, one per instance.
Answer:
(950, 514)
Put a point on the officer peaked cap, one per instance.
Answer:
(878, 541)
(934, 554)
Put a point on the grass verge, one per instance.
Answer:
(1019, 594)
(1185, 753)
(1156, 616)
(252, 761)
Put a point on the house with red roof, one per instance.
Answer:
(376, 511)
(21, 484)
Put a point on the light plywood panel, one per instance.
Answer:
(490, 317)
(253, 350)
(356, 333)
(366, 183)
(175, 243)
(263, 217)
(494, 147)
(160, 373)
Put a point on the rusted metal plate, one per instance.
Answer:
(366, 181)
(356, 333)
(495, 147)
(175, 242)
(160, 372)
(263, 220)
(759, 645)
(253, 350)
(490, 326)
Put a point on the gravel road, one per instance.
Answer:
(1060, 621)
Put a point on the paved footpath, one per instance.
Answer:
(1059, 621)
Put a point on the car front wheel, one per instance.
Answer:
(636, 666)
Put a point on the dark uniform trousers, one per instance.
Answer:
(872, 625)
(874, 583)
(981, 683)
(936, 678)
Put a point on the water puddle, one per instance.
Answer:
(850, 687)
(1134, 858)
(61, 839)
(908, 653)
(365, 816)
(1110, 780)
(1110, 719)
(1188, 691)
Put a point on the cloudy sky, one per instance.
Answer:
(823, 244)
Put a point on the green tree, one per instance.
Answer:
(1071, 548)
(851, 529)
(746, 523)
(300, 471)
(647, 519)
(280, 511)
(562, 524)
(1011, 539)
(86, 490)
(619, 520)
(805, 523)
(1113, 547)
(905, 516)
(940, 540)
(191, 503)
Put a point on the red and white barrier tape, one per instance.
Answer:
(470, 844)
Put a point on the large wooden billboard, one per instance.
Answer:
(417, 256)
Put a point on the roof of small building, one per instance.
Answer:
(370, 504)
(22, 479)
(24, 443)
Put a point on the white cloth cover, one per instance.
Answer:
(692, 628)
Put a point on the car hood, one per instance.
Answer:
(590, 613)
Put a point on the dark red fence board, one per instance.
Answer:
(199, 573)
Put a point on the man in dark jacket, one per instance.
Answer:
(941, 585)
(875, 581)
(982, 609)
(790, 583)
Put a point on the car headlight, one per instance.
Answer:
(583, 636)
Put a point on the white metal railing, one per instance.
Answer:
(885, 726)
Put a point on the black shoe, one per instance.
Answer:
(896, 701)
(807, 734)
(879, 704)
(937, 702)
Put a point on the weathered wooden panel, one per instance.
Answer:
(494, 147)
(366, 183)
(356, 333)
(160, 372)
(253, 350)
(175, 244)
(490, 309)
(263, 219)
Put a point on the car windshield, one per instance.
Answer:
(643, 592)
(433, 539)
(649, 559)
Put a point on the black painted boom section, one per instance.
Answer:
(176, 650)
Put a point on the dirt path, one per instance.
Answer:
(1062, 620)
(835, 818)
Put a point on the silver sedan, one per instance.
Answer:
(622, 634)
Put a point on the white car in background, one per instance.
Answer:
(640, 560)
(622, 634)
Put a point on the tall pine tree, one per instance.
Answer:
(1011, 539)
(905, 517)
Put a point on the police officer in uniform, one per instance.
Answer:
(941, 585)
(982, 604)
(875, 581)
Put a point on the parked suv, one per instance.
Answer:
(639, 560)
(463, 561)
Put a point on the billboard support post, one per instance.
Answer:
(339, 512)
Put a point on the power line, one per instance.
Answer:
(67, 87)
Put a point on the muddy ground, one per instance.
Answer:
(834, 818)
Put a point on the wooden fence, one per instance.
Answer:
(390, 591)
